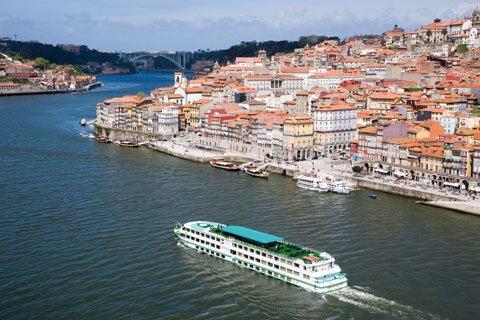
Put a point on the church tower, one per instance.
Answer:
(476, 18)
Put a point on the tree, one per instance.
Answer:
(429, 35)
(357, 169)
(41, 63)
(141, 95)
(462, 48)
(444, 32)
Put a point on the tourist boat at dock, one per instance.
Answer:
(257, 173)
(128, 144)
(265, 253)
(220, 163)
(340, 187)
(83, 122)
(312, 183)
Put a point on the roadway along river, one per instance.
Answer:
(86, 231)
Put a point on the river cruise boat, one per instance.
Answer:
(257, 173)
(340, 187)
(220, 163)
(313, 183)
(265, 253)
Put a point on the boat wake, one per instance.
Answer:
(361, 298)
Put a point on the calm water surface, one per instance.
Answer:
(86, 232)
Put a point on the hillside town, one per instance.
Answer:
(17, 77)
(373, 101)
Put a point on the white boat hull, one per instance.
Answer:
(224, 249)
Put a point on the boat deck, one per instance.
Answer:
(285, 249)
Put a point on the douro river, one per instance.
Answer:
(86, 231)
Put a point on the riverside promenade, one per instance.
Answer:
(183, 147)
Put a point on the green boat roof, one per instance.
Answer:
(250, 234)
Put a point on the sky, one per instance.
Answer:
(151, 25)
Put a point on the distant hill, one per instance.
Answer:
(56, 54)
(251, 48)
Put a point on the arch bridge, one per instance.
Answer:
(178, 58)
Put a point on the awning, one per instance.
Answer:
(474, 189)
(381, 170)
(452, 184)
(400, 174)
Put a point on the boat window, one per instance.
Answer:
(297, 265)
(304, 268)
(276, 266)
(283, 260)
(289, 270)
(270, 264)
(256, 259)
(212, 244)
(251, 250)
(306, 277)
(234, 245)
(289, 263)
(233, 252)
(264, 254)
(282, 268)
(223, 256)
(264, 262)
(270, 256)
(296, 273)
(257, 252)
(218, 247)
(276, 258)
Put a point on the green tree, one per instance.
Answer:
(41, 63)
(462, 48)
(444, 32)
(141, 94)
(357, 169)
(429, 35)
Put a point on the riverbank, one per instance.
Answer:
(37, 90)
(326, 167)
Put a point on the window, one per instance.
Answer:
(233, 252)
(297, 265)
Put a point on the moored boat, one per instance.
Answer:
(340, 187)
(220, 163)
(128, 144)
(91, 136)
(254, 172)
(372, 195)
(83, 122)
(265, 253)
(103, 139)
(312, 183)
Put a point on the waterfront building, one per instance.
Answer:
(165, 120)
(298, 137)
(335, 126)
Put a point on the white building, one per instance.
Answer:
(165, 121)
(335, 126)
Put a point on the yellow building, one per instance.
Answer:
(186, 112)
(298, 137)
(194, 116)
(432, 159)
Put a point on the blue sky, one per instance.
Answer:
(150, 25)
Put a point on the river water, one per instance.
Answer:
(86, 231)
